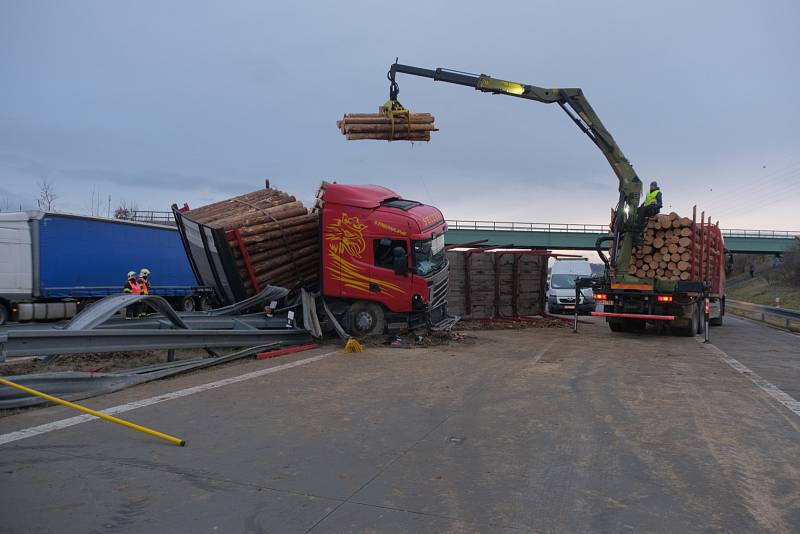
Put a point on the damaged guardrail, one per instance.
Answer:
(101, 329)
(97, 329)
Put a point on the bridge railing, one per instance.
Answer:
(155, 217)
(457, 224)
(774, 234)
(460, 224)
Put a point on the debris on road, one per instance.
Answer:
(76, 385)
(511, 323)
(101, 415)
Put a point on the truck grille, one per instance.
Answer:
(566, 300)
(437, 287)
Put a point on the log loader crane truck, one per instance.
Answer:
(629, 301)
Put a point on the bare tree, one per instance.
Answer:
(47, 195)
(125, 209)
(790, 269)
(93, 201)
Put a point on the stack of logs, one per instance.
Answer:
(357, 126)
(670, 246)
(280, 235)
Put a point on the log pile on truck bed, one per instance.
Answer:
(411, 127)
(274, 238)
(671, 248)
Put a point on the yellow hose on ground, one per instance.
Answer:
(101, 415)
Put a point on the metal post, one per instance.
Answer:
(171, 355)
(101, 415)
(705, 319)
(577, 294)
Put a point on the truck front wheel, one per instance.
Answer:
(717, 321)
(3, 313)
(364, 319)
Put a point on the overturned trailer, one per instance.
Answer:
(486, 283)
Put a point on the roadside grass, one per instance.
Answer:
(759, 290)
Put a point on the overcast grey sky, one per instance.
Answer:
(163, 102)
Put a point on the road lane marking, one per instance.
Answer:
(122, 408)
(773, 391)
(543, 351)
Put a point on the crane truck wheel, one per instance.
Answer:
(701, 319)
(616, 326)
(691, 329)
(717, 321)
(626, 325)
(364, 319)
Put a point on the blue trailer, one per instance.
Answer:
(52, 264)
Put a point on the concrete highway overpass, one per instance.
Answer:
(583, 236)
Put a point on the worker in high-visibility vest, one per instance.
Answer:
(652, 203)
(144, 281)
(131, 287)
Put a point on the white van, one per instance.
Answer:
(561, 287)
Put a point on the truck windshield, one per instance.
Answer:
(429, 255)
(563, 281)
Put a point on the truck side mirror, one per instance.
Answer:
(400, 261)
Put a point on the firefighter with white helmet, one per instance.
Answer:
(144, 280)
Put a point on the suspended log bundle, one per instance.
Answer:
(273, 237)
(675, 248)
(411, 127)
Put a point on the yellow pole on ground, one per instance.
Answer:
(101, 415)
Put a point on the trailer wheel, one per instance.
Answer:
(187, 304)
(3, 313)
(364, 319)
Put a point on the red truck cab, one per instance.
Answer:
(383, 259)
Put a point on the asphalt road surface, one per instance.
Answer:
(534, 430)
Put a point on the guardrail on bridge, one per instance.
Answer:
(460, 224)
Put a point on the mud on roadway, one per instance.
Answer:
(520, 430)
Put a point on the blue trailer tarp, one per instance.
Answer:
(87, 257)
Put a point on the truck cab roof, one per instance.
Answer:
(416, 217)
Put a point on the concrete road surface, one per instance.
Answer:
(534, 430)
